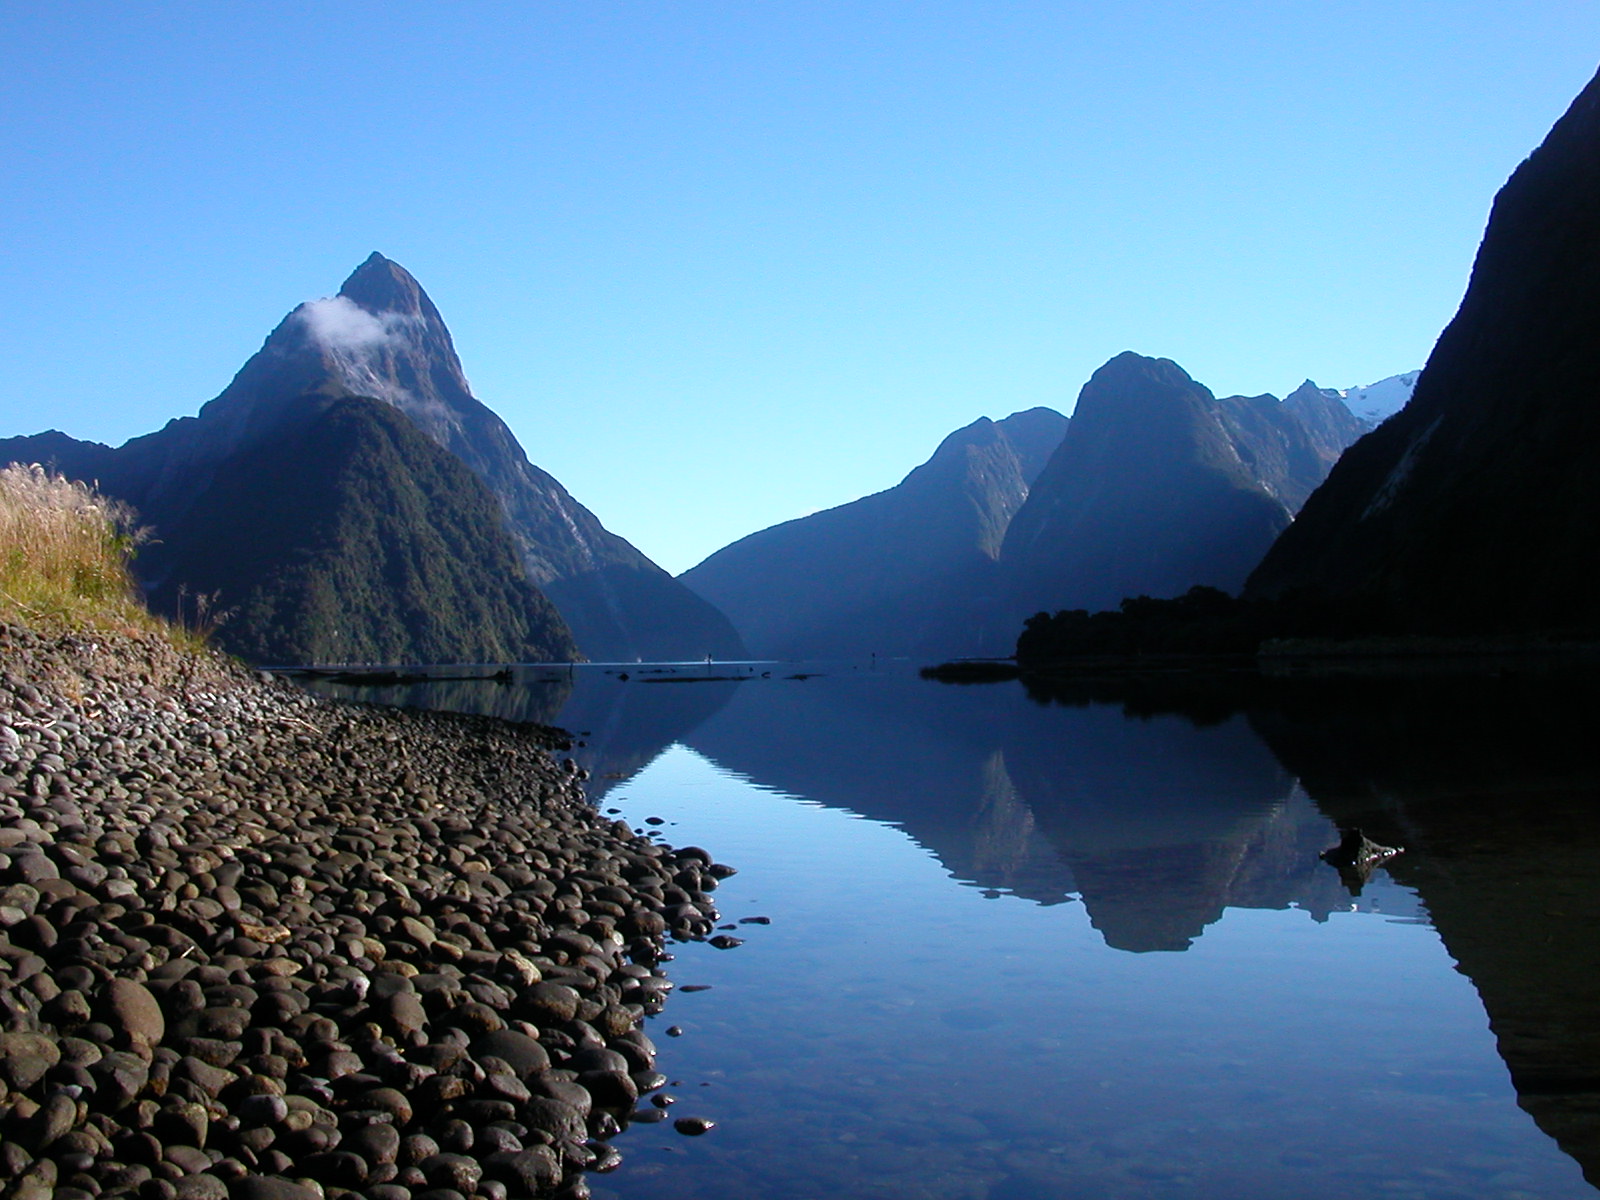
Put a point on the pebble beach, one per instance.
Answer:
(259, 944)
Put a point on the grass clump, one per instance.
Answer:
(65, 552)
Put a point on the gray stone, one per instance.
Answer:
(133, 1012)
(201, 1186)
(25, 1057)
(270, 1187)
(552, 1001)
(57, 1115)
(531, 1172)
(460, 1172)
(524, 1055)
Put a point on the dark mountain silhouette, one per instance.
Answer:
(77, 460)
(381, 337)
(909, 570)
(1290, 445)
(1475, 508)
(340, 533)
(346, 535)
(1158, 486)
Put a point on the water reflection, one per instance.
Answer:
(618, 721)
(1168, 806)
(1157, 824)
(1490, 778)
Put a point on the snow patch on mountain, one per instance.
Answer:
(1377, 402)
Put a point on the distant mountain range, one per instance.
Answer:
(909, 570)
(1476, 509)
(1159, 486)
(227, 494)
(1153, 486)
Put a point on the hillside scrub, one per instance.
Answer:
(65, 552)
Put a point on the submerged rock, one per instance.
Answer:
(1356, 857)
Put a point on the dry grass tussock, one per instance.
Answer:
(64, 555)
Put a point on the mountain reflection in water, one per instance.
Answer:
(1161, 804)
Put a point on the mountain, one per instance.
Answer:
(381, 337)
(1159, 486)
(904, 571)
(1289, 445)
(339, 534)
(346, 535)
(1475, 509)
(1377, 402)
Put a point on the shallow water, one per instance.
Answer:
(1021, 948)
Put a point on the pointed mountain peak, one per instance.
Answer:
(1310, 391)
(980, 433)
(381, 285)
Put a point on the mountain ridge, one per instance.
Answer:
(1158, 486)
(1472, 510)
(899, 571)
(382, 337)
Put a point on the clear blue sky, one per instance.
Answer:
(721, 264)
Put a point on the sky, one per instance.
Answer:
(721, 264)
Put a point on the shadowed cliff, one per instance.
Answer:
(1475, 509)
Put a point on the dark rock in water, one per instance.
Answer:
(1356, 857)
(693, 1126)
(972, 671)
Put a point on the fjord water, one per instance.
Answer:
(1083, 945)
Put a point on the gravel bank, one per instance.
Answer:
(257, 944)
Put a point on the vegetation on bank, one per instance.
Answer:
(1207, 623)
(346, 535)
(65, 555)
(1204, 621)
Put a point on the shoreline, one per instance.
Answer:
(256, 943)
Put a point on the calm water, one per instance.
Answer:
(1083, 945)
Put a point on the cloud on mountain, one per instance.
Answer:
(339, 323)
